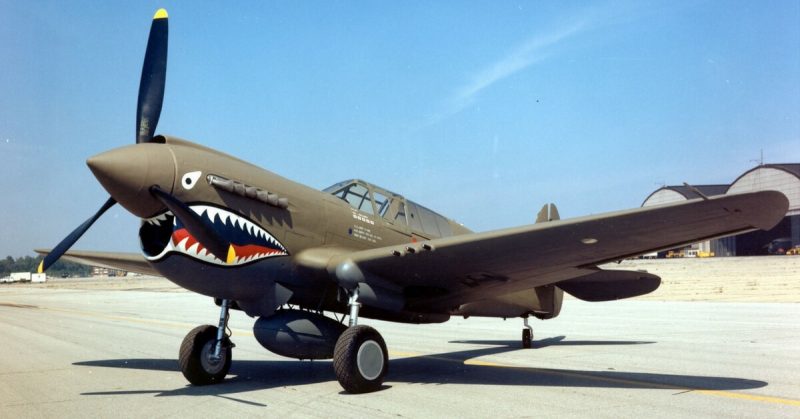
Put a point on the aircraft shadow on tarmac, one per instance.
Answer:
(444, 368)
(554, 341)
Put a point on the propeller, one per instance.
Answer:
(204, 234)
(151, 97)
(68, 241)
(154, 76)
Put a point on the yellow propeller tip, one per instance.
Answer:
(40, 269)
(231, 254)
(161, 14)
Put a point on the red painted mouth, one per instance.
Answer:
(247, 241)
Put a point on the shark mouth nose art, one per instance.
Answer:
(247, 241)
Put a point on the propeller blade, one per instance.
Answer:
(68, 241)
(154, 75)
(194, 224)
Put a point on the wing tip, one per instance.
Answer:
(160, 14)
(772, 207)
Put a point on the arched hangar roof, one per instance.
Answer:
(784, 178)
(667, 194)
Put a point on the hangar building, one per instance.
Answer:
(779, 177)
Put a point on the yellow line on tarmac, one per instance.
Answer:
(751, 397)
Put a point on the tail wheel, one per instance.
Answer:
(360, 359)
(196, 356)
(527, 338)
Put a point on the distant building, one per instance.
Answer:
(777, 177)
(99, 271)
(668, 194)
(20, 277)
(784, 178)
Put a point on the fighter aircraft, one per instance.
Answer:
(287, 254)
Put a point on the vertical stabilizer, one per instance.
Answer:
(549, 212)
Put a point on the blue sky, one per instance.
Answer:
(482, 111)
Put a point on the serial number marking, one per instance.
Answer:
(363, 218)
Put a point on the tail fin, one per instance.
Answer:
(547, 213)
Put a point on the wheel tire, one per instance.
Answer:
(360, 360)
(194, 354)
(527, 338)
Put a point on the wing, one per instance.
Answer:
(132, 262)
(444, 273)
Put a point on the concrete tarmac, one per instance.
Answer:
(112, 352)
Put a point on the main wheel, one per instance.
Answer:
(360, 359)
(196, 356)
(527, 338)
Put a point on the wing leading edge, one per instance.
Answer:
(447, 272)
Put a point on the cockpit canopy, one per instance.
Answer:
(393, 208)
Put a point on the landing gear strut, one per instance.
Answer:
(527, 334)
(206, 352)
(360, 358)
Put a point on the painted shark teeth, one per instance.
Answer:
(156, 221)
(225, 222)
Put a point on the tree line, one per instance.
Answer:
(29, 264)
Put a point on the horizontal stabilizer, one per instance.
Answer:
(609, 285)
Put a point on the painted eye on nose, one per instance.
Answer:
(190, 179)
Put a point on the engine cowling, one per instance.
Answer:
(298, 334)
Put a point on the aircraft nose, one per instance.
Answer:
(127, 173)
